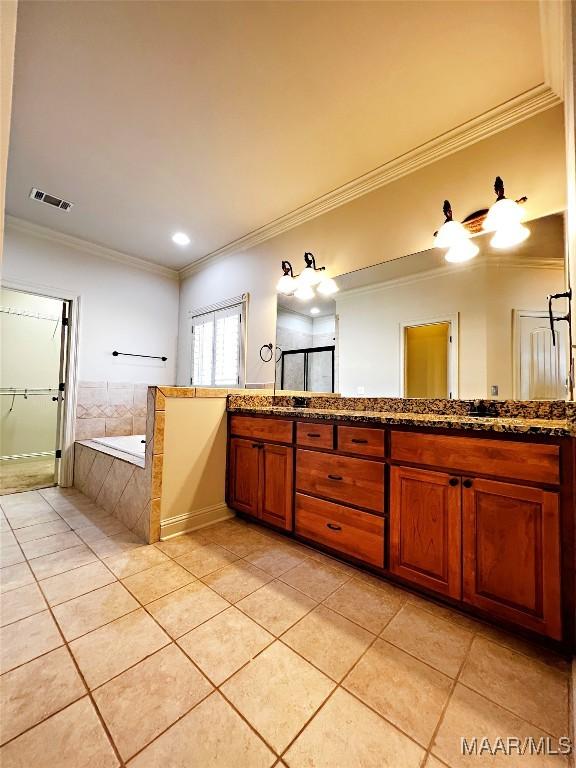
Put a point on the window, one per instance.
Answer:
(217, 347)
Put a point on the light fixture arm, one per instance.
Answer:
(499, 189)
(310, 261)
(287, 268)
(447, 210)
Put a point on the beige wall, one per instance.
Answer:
(391, 222)
(194, 466)
(8, 9)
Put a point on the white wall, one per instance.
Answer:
(391, 222)
(121, 307)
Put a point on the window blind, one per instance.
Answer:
(216, 345)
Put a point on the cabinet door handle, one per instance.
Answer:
(467, 483)
(359, 441)
(453, 481)
(313, 434)
(334, 477)
(333, 527)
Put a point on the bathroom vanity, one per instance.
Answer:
(478, 512)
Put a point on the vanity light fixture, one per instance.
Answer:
(311, 274)
(302, 286)
(505, 219)
(455, 237)
(287, 283)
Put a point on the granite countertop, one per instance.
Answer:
(550, 427)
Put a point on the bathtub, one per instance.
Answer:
(130, 444)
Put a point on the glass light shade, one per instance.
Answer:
(304, 292)
(506, 237)
(310, 276)
(504, 213)
(450, 233)
(327, 287)
(462, 251)
(287, 284)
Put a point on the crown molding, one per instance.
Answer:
(100, 251)
(552, 24)
(485, 261)
(506, 115)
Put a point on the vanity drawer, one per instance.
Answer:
(341, 478)
(534, 462)
(361, 440)
(316, 435)
(278, 430)
(354, 533)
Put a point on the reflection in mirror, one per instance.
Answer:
(420, 327)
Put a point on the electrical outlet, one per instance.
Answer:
(494, 390)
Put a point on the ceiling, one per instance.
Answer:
(216, 118)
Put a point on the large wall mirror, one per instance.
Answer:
(421, 327)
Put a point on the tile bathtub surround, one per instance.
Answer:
(119, 487)
(106, 408)
(135, 659)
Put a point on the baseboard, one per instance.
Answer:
(191, 521)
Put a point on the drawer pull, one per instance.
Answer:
(359, 441)
(453, 481)
(334, 477)
(313, 434)
(467, 483)
(334, 527)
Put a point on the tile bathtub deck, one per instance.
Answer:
(233, 647)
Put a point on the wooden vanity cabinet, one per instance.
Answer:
(482, 520)
(511, 553)
(425, 529)
(260, 474)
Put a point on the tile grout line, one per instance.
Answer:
(83, 680)
(174, 641)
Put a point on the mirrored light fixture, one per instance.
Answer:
(310, 280)
(455, 237)
(505, 219)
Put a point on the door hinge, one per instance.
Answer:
(58, 454)
(61, 386)
(65, 322)
(450, 339)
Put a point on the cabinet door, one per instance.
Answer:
(425, 529)
(276, 485)
(512, 553)
(244, 475)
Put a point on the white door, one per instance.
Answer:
(542, 365)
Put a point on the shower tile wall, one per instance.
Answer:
(106, 408)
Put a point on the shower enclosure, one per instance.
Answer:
(32, 383)
(308, 370)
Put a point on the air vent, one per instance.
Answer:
(55, 202)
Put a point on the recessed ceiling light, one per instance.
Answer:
(181, 238)
(314, 311)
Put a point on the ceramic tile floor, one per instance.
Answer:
(233, 648)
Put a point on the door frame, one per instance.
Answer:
(66, 473)
(453, 372)
(517, 315)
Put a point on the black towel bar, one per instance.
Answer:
(129, 354)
